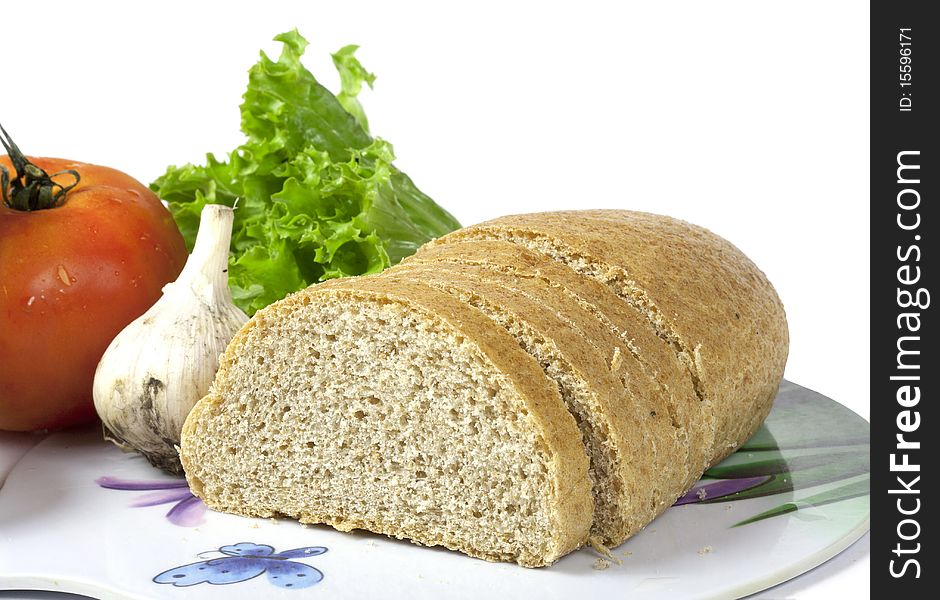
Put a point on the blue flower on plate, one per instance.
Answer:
(187, 510)
(246, 561)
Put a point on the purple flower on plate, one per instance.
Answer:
(718, 489)
(188, 510)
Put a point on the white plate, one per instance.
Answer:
(64, 527)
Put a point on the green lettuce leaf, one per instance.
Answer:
(352, 75)
(317, 196)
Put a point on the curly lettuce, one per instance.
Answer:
(317, 196)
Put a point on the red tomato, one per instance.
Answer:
(71, 278)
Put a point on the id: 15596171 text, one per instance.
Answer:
(905, 76)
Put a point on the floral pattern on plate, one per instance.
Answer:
(187, 510)
(813, 445)
(693, 551)
(246, 560)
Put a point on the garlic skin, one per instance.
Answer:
(156, 369)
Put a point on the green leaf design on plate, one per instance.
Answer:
(854, 460)
(802, 418)
(788, 481)
(845, 492)
(807, 441)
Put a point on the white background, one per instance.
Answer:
(749, 118)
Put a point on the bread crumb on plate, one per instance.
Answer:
(604, 551)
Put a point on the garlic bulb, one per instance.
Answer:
(156, 369)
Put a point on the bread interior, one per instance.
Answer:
(365, 413)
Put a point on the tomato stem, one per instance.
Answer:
(30, 188)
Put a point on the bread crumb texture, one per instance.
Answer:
(514, 391)
(601, 564)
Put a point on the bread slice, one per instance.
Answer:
(655, 356)
(702, 295)
(393, 407)
(639, 455)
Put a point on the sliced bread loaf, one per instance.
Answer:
(514, 390)
(656, 357)
(393, 407)
(699, 292)
(638, 454)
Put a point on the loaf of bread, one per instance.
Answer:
(513, 391)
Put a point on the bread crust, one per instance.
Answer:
(658, 359)
(651, 452)
(695, 286)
